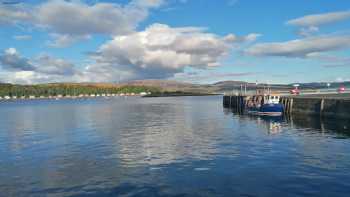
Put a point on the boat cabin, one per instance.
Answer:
(271, 99)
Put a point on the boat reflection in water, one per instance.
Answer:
(276, 124)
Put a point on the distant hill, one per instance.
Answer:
(172, 86)
(158, 83)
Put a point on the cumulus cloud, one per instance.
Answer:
(73, 20)
(54, 66)
(319, 19)
(77, 18)
(161, 51)
(11, 60)
(43, 68)
(32, 77)
(300, 47)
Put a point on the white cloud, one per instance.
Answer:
(342, 79)
(43, 68)
(65, 40)
(161, 51)
(32, 77)
(251, 37)
(14, 14)
(11, 51)
(77, 18)
(54, 66)
(309, 25)
(328, 58)
(195, 77)
(74, 20)
(308, 31)
(330, 61)
(300, 47)
(147, 3)
(319, 19)
(22, 37)
(11, 60)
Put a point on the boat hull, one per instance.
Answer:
(267, 110)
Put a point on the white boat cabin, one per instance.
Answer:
(271, 99)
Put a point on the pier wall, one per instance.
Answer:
(326, 107)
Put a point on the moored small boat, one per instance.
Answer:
(268, 106)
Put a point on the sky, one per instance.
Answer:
(197, 41)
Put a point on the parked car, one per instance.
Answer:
(341, 89)
(295, 91)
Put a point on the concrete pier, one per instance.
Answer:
(326, 107)
(237, 103)
(322, 106)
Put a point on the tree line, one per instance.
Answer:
(69, 89)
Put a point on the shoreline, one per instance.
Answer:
(11, 99)
(178, 95)
(65, 97)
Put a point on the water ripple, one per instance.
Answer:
(167, 147)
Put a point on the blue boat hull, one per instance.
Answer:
(267, 110)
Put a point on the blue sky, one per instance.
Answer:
(200, 41)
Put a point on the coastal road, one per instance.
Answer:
(329, 94)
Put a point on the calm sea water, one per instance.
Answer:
(184, 146)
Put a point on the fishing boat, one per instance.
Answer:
(266, 105)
